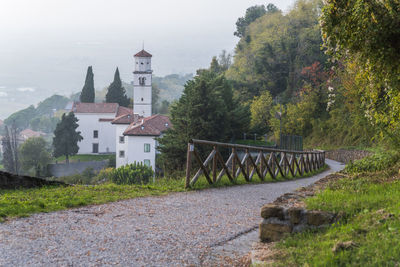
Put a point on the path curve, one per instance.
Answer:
(170, 230)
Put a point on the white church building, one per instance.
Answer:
(130, 134)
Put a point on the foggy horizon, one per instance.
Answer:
(49, 44)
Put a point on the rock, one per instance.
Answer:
(344, 246)
(295, 214)
(318, 218)
(271, 210)
(274, 229)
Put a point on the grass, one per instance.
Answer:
(370, 201)
(23, 202)
(86, 157)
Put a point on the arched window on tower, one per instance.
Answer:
(142, 80)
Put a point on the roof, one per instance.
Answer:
(95, 107)
(124, 111)
(143, 53)
(150, 126)
(126, 119)
(28, 133)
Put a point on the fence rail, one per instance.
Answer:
(256, 160)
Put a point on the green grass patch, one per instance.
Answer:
(23, 202)
(370, 201)
(86, 157)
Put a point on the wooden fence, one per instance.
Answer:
(268, 161)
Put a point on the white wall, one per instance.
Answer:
(142, 95)
(134, 150)
(119, 130)
(146, 66)
(88, 122)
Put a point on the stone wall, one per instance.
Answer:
(59, 170)
(345, 155)
(279, 221)
(12, 181)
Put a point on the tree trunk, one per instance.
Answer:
(67, 159)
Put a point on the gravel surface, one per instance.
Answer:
(172, 230)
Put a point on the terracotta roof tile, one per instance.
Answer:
(143, 53)
(124, 111)
(151, 126)
(95, 107)
(126, 119)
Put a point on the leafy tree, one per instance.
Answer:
(222, 63)
(34, 155)
(252, 13)
(10, 149)
(87, 94)
(66, 138)
(261, 112)
(116, 93)
(274, 51)
(206, 110)
(164, 107)
(368, 33)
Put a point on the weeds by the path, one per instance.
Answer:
(370, 202)
(23, 202)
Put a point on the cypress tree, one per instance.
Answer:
(116, 92)
(87, 95)
(66, 138)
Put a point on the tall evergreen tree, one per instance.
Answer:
(206, 110)
(66, 138)
(116, 92)
(87, 95)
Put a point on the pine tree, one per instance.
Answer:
(116, 92)
(206, 110)
(66, 138)
(87, 95)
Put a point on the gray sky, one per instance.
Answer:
(46, 45)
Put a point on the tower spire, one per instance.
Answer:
(143, 45)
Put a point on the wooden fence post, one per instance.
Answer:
(188, 164)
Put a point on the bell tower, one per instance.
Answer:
(142, 84)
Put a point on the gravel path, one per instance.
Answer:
(171, 230)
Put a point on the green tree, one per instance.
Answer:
(274, 51)
(21, 119)
(34, 155)
(116, 92)
(66, 138)
(252, 13)
(206, 110)
(260, 109)
(368, 33)
(87, 94)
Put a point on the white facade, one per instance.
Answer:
(105, 140)
(136, 149)
(142, 78)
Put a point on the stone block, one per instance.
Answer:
(295, 215)
(274, 229)
(271, 210)
(318, 218)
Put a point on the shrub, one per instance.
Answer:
(103, 176)
(376, 162)
(136, 173)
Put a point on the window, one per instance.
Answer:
(95, 134)
(122, 139)
(146, 147)
(95, 148)
(122, 153)
(142, 80)
(146, 162)
(142, 99)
